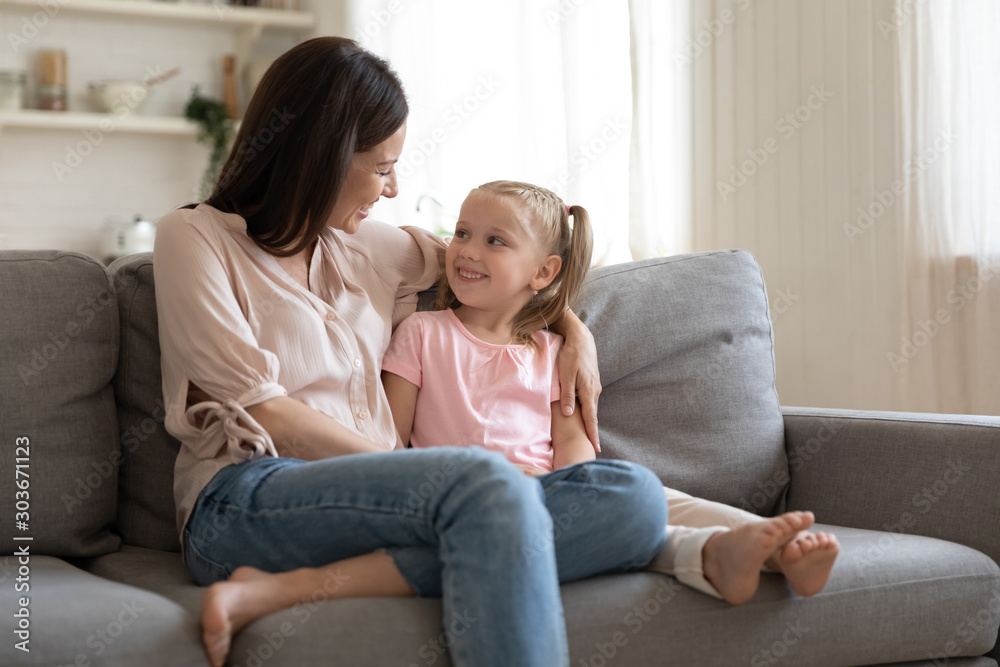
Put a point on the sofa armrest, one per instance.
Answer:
(918, 473)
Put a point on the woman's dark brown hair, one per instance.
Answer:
(316, 106)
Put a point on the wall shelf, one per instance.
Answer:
(248, 22)
(81, 120)
(214, 12)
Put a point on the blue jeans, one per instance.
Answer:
(462, 524)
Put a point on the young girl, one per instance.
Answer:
(513, 266)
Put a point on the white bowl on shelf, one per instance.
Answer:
(119, 95)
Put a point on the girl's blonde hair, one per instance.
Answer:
(549, 219)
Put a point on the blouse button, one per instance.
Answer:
(363, 414)
(357, 362)
(330, 317)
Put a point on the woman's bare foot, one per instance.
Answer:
(732, 559)
(807, 561)
(230, 605)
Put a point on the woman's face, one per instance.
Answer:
(372, 174)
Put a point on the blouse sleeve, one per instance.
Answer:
(409, 259)
(422, 274)
(205, 338)
(425, 271)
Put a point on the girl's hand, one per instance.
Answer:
(531, 471)
(579, 374)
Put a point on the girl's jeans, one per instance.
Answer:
(462, 524)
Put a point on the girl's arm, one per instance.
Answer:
(579, 374)
(402, 395)
(570, 443)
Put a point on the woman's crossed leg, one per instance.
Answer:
(462, 524)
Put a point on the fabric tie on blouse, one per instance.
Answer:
(244, 444)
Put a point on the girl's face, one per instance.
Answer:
(494, 262)
(372, 174)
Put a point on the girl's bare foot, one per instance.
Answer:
(732, 559)
(807, 561)
(230, 605)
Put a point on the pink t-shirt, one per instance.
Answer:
(475, 393)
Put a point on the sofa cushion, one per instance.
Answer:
(76, 618)
(59, 351)
(160, 572)
(922, 599)
(146, 515)
(687, 363)
(913, 605)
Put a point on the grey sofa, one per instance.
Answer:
(687, 361)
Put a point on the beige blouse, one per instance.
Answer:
(234, 323)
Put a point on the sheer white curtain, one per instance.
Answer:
(534, 90)
(660, 174)
(948, 358)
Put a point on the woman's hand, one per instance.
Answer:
(579, 374)
(297, 430)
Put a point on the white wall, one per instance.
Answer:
(834, 316)
(126, 174)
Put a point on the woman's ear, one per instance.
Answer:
(547, 272)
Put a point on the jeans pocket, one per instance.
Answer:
(204, 570)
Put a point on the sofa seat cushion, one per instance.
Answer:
(58, 352)
(687, 363)
(77, 618)
(919, 599)
(160, 572)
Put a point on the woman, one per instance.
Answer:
(276, 300)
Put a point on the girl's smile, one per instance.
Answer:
(470, 275)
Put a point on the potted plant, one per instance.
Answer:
(216, 129)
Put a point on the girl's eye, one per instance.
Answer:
(461, 234)
(494, 240)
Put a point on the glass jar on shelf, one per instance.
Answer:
(51, 91)
(12, 84)
(51, 97)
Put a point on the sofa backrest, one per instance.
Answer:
(687, 363)
(146, 514)
(58, 425)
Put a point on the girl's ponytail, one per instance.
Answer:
(574, 245)
(576, 263)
